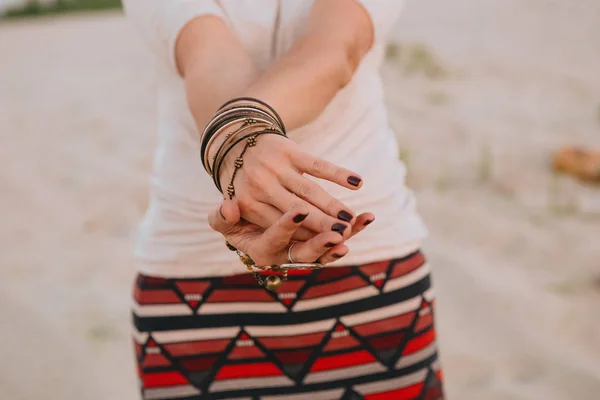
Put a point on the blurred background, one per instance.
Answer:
(481, 95)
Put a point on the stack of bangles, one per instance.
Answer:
(245, 119)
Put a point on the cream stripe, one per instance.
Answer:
(161, 310)
(241, 307)
(250, 383)
(407, 279)
(392, 384)
(335, 299)
(289, 330)
(429, 294)
(170, 392)
(139, 337)
(195, 334)
(416, 357)
(436, 366)
(382, 313)
(344, 373)
(325, 395)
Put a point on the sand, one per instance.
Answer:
(480, 94)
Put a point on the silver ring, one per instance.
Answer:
(290, 253)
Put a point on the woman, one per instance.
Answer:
(360, 328)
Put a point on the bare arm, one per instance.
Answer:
(318, 65)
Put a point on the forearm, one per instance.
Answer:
(214, 65)
(305, 80)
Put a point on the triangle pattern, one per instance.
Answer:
(432, 390)
(387, 347)
(340, 339)
(293, 370)
(193, 292)
(288, 292)
(377, 273)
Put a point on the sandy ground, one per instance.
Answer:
(479, 92)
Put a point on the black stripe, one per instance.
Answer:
(172, 323)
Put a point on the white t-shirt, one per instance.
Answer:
(174, 237)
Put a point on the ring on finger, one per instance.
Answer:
(290, 259)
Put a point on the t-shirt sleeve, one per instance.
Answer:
(160, 21)
(384, 14)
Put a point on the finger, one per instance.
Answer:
(265, 215)
(334, 254)
(313, 249)
(276, 238)
(317, 220)
(320, 168)
(362, 221)
(223, 218)
(316, 195)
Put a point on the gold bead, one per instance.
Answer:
(247, 260)
(252, 141)
(230, 190)
(239, 162)
(273, 282)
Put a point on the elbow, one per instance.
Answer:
(348, 60)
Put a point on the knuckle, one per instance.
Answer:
(333, 205)
(317, 167)
(304, 191)
(339, 174)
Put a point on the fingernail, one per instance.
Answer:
(368, 222)
(345, 216)
(221, 212)
(300, 217)
(330, 245)
(339, 228)
(337, 256)
(354, 180)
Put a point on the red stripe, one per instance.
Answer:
(245, 352)
(420, 342)
(192, 287)
(294, 356)
(385, 325)
(327, 274)
(387, 341)
(156, 297)
(232, 295)
(409, 392)
(163, 379)
(424, 322)
(407, 266)
(342, 360)
(284, 342)
(375, 268)
(189, 348)
(327, 289)
(155, 360)
(248, 371)
(343, 342)
(198, 363)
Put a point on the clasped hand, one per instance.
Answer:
(275, 205)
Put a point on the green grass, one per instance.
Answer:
(35, 9)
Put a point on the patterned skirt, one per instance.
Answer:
(357, 332)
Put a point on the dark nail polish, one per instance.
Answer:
(345, 216)
(339, 228)
(300, 217)
(368, 222)
(354, 180)
(329, 245)
(336, 256)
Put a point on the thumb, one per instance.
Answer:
(224, 217)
